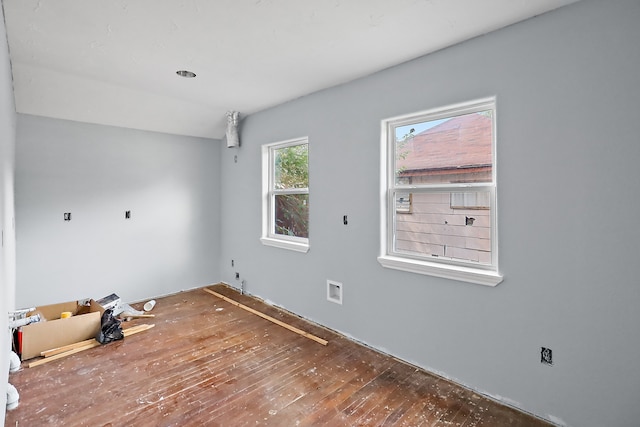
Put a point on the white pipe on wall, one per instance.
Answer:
(233, 138)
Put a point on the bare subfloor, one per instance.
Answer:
(210, 363)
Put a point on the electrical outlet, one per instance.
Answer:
(237, 276)
(67, 216)
(127, 214)
(233, 263)
(546, 356)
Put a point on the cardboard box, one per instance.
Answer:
(56, 332)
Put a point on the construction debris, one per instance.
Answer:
(68, 350)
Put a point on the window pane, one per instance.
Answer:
(435, 228)
(403, 202)
(452, 150)
(291, 167)
(471, 200)
(292, 215)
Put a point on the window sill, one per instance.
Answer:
(464, 274)
(285, 244)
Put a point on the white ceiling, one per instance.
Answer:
(114, 62)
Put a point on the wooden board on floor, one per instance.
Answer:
(269, 318)
(70, 349)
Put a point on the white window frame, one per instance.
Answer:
(483, 274)
(269, 237)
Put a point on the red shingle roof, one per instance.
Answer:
(463, 141)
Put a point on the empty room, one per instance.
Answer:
(320, 213)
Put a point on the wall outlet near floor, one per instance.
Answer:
(237, 276)
(546, 356)
(334, 291)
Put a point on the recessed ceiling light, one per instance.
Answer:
(185, 73)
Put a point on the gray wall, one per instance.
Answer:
(171, 185)
(568, 124)
(7, 249)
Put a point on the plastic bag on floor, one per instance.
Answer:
(111, 330)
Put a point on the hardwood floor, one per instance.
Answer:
(210, 363)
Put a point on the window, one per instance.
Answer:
(285, 206)
(438, 204)
(403, 202)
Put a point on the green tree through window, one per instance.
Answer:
(291, 182)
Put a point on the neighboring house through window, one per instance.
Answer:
(438, 207)
(285, 205)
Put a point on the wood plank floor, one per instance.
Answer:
(210, 363)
